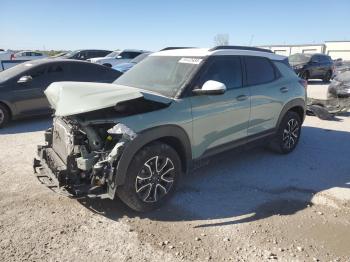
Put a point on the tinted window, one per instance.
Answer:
(37, 54)
(55, 69)
(37, 72)
(129, 55)
(259, 70)
(226, 70)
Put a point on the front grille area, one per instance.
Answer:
(62, 139)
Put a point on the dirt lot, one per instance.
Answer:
(247, 206)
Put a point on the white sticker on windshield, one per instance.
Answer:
(189, 60)
(28, 64)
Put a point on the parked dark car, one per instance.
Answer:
(22, 86)
(312, 66)
(86, 54)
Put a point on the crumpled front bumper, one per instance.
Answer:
(51, 171)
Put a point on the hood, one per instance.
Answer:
(123, 67)
(71, 98)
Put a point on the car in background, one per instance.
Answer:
(126, 66)
(28, 55)
(312, 66)
(125, 56)
(341, 67)
(85, 54)
(22, 86)
(114, 54)
(340, 86)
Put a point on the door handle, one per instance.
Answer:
(241, 97)
(284, 89)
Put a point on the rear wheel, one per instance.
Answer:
(327, 77)
(288, 134)
(4, 115)
(151, 178)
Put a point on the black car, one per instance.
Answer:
(22, 86)
(312, 66)
(86, 54)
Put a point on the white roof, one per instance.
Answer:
(203, 52)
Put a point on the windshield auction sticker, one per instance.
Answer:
(189, 60)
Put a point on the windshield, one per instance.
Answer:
(70, 54)
(113, 54)
(161, 74)
(299, 58)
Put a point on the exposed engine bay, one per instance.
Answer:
(83, 158)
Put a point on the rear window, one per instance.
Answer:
(259, 70)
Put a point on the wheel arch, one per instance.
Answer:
(7, 106)
(295, 105)
(172, 135)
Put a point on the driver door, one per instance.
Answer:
(29, 96)
(219, 120)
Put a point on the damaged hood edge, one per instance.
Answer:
(71, 98)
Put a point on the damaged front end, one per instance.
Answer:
(83, 147)
(78, 159)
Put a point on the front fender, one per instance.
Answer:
(144, 138)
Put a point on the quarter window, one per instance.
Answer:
(259, 70)
(226, 70)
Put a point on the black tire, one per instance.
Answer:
(327, 77)
(107, 65)
(146, 188)
(288, 134)
(305, 75)
(4, 115)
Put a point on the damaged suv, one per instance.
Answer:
(135, 138)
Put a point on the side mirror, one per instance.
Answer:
(25, 79)
(211, 87)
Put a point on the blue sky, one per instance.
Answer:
(155, 24)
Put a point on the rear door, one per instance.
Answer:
(220, 119)
(268, 93)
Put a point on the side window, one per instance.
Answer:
(134, 54)
(226, 70)
(27, 54)
(54, 69)
(37, 54)
(259, 70)
(37, 72)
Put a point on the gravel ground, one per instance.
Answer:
(241, 206)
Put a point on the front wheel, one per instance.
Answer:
(288, 134)
(151, 177)
(4, 116)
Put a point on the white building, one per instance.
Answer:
(335, 49)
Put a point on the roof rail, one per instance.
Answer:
(237, 47)
(174, 47)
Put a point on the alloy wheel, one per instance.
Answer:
(291, 134)
(155, 179)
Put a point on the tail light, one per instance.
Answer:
(303, 83)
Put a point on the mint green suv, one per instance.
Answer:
(134, 139)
